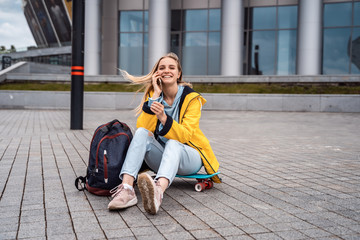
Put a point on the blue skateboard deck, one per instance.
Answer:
(198, 175)
(204, 180)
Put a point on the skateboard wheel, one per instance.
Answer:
(198, 187)
(211, 184)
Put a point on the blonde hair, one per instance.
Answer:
(146, 81)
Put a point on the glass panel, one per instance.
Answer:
(131, 21)
(263, 18)
(175, 20)
(131, 52)
(195, 20)
(335, 52)
(194, 53)
(146, 21)
(214, 19)
(244, 54)
(146, 47)
(60, 20)
(355, 52)
(357, 13)
(35, 29)
(337, 14)
(45, 24)
(263, 53)
(287, 17)
(286, 52)
(175, 44)
(214, 53)
(246, 19)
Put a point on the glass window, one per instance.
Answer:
(196, 20)
(146, 55)
(131, 52)
(287, 17)
(271, 52)
(286, 57)
(146, 21)
(263, 18)
(341, 38)
(263, 52)
(335, 56)
(194, 53)
(214, 53)
(195, 38)
(355, 51)
(133, 41)
(214, 19)
(337, 14)
(176, 20)
(357, 13)
(175, 43)
(131, 21)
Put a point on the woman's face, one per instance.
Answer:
(168, 70)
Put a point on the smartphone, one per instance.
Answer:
(158, 81)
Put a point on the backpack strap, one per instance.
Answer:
(80, 183)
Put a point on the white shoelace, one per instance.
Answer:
(116, 190)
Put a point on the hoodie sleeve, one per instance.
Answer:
(147, 119)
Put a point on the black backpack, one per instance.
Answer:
(108, 150)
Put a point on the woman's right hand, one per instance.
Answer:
(157, 87)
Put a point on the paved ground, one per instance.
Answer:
(286, 176)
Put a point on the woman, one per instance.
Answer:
(168, 137)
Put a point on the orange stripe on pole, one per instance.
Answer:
(77, 73)
(77, 68)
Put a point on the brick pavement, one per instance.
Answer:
(286, 175)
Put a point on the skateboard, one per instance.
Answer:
(204, 180)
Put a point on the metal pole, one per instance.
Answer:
(77, 66)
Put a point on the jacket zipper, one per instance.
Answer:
(203, 156)
(190, 141)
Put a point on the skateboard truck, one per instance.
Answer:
(203, 184)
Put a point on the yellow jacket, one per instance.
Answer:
(187, 131)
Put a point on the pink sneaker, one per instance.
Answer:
(122, 198)
(151, 193)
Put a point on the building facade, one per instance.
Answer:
(221, 37)
(49, 21)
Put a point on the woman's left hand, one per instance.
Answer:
(158, 109)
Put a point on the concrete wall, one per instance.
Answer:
(25, 76)
(242, 102)
(46, 72)
(238, 102)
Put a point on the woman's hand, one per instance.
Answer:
(158, 109)
(156, 82)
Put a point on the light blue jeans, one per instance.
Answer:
(174, 158)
